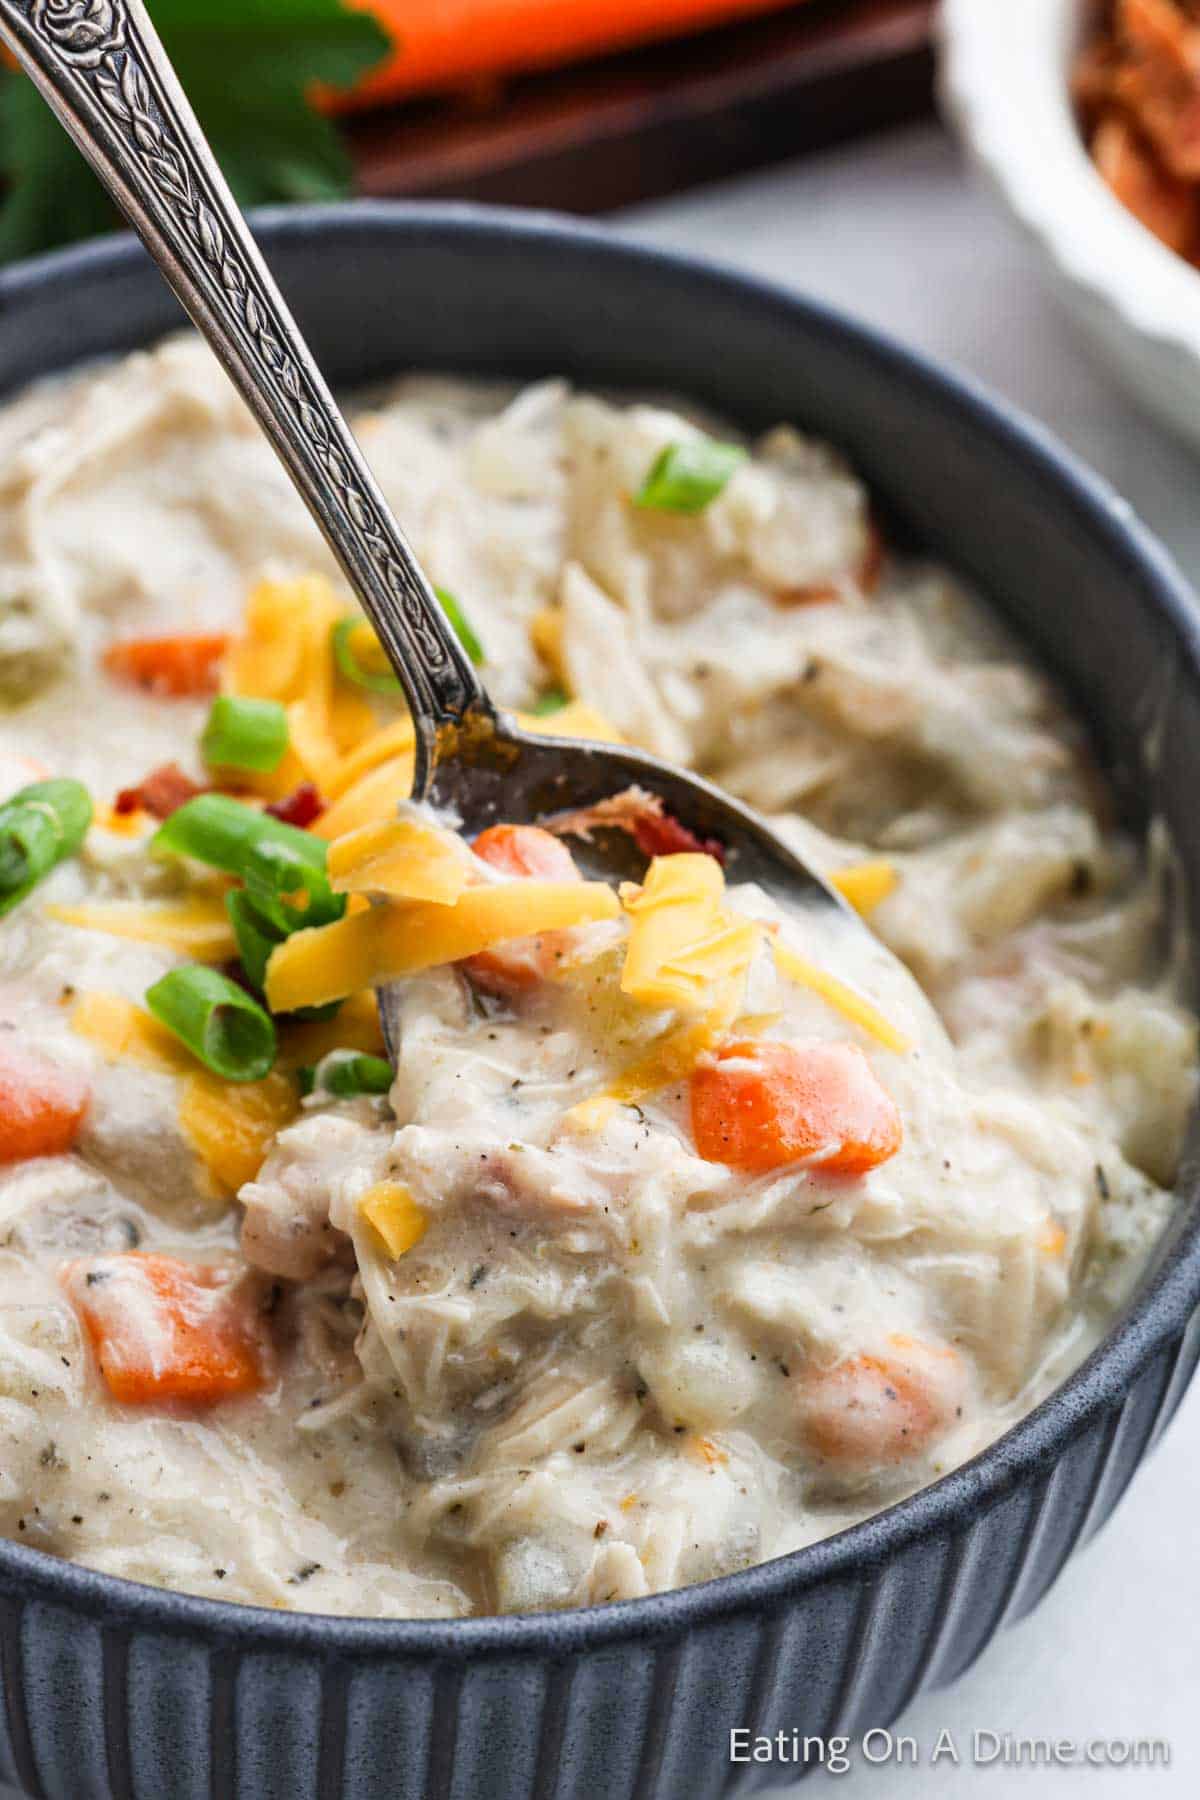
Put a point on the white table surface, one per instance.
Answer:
(897, 233)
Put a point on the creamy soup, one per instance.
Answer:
(685, 1231)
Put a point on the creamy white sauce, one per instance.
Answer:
(594, 1377)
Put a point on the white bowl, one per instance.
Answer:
(1005, 71)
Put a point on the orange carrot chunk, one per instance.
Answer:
(758, 1106)
(164, 1330)
(526, 853)
(41, 1107)
(177, 667)
(874, 1410)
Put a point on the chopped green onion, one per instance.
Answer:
(255, 938)
(220, 1024)
(39, 828)
(287, 889)
(383, 681)
(347, 1074)
(380, 681)
(463, 629)
(687, 475)
(224, 833)
(551, 702)
(245, 734)
(283, 868)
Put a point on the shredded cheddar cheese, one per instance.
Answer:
(372, 797)
(392, 940)
(124, 1032)
(198, 927)
(285, 653)
(676, 909)
(546, 636)
(394, 1216)
(403, 859)
(670, 1059)
(392, 741)
(355, 1026)
(843, 999)
(574, 720)
(231, 1126)
(866, 884)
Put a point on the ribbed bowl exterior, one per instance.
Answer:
(96, 1711)
(110, 1691)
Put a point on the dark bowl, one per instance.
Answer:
(111, 1688)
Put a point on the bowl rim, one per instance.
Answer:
(1035, 156)
(1163, 1304)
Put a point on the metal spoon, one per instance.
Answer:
(103, 71)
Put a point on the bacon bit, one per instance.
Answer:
(654, 830)
(299, 808)
(1137, 87)
(1164, 204)
(665, 836)
(161, 793)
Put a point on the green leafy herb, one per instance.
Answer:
(686, 476)
(463, 629)
(220, 1024)
(245, 734)
(250, 69)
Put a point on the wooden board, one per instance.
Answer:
(635, 126)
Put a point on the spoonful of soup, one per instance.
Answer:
(106, 75)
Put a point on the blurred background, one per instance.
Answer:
(584, 105)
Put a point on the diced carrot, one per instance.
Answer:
(165, 1330)
(877, 1409)
(41, 1107)
(757, 1106)
(527, 853)
(178, 667)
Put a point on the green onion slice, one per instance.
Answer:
(225, 833)
(348, 1073)
(464, 631)
(245, 734)
(39, 827)
(383, 681)
(221, 1025)
(686, 476)
(551, 702)
(287, 889)
(379, 681)
(255, 938)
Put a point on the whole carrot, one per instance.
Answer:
(444, 44)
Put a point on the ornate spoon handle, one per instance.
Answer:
(103, 71)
